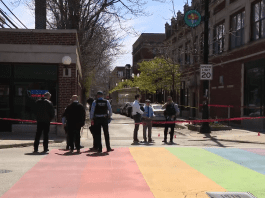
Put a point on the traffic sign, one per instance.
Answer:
(206, 72)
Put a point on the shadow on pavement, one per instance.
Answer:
(217, 141)
(68, 154)
(98, 154)
(38, 153)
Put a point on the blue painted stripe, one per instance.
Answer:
(244, 158)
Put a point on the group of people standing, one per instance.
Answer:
(144, 115)
(74, 118)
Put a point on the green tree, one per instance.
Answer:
(158, 73)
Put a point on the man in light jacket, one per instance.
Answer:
(147, 121)
(137, 115)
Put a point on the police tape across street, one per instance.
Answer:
(156, 122)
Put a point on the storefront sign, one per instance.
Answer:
(230, 195)
(192, 18)
(38, 93)
(206, 72)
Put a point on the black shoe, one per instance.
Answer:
(35, 151)
(67, 148)
(171, 142)
(135, 141)
(145, 141)
(150, 140)
(46, 150)
(71, 150)
(81, 146)
(99, 151)
(164, 141)
(78, 151)
(110, 149)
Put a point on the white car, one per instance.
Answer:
(159, 112)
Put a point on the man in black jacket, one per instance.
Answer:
(171, 111)
(44, 112)
(92, 127)
(75, 115)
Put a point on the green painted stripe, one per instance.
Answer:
(231, 176)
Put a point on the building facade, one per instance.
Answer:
(31, 64)
(119, 74)
(236, 51)
(147, 47)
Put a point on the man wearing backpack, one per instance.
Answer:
(171, 111)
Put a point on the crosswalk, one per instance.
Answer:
(142, 172)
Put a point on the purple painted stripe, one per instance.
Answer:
(258, 151)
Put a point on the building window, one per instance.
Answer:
(254, 99)
(219, 38)
(195, 49)
(120, 73)
(237, 28)
(258, 20)
(187, 53)
(180, 55)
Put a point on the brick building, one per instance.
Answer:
(146, 47)
(120, 73)
(236, 50)
(30, 63)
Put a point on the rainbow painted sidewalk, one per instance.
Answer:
(144, 173)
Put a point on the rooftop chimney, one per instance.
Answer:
(40, 14)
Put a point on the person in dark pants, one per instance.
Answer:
(100, 114)
(65, 126)
(44, 112)
(171, 111)
(137, 116)
(92, 127)
(75, 115)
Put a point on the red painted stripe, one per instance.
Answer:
(258, 151)
(53, 176)
(115, 175)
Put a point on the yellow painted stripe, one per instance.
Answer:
(168, 176)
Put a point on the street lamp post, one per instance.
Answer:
(205, 128)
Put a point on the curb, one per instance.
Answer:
(26, 144)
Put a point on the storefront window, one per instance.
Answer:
(30, 83)
(254, 90)
(4, 100)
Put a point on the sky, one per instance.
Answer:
(160, 14)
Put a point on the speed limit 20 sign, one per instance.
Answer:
(206, 72)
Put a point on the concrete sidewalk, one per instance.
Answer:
(10, 140)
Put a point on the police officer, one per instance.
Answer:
(44, 112)
(99, 117)
(171, 111)
(75, 115)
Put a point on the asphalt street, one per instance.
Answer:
(224, 161)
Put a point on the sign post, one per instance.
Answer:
(205, 128)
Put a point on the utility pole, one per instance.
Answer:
(205, 128)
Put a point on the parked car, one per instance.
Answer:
(128, 109)
(159, 112)
(123, 107)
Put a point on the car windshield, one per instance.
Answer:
(157, 106)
